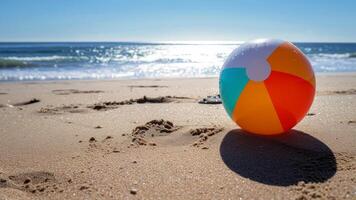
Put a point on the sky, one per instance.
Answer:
(177, 20)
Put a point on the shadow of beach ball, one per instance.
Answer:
(281, 160)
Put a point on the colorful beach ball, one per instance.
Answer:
(267, 86)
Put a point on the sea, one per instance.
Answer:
(131, 60)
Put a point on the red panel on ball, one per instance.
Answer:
(291, 96)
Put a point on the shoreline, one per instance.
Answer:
(317, 74)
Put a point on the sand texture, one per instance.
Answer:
(151, 139)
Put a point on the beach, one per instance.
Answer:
(151, 139)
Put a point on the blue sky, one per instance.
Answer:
(174, 20)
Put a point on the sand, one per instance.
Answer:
(151, 139)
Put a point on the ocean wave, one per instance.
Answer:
(25, 51)
(7, 63)
(352, 55)
(46, 58)
(335, 55)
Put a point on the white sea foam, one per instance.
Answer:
(332, 55)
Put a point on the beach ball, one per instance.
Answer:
(267, 86)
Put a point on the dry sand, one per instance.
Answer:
(103, 140)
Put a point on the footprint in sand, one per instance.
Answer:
(74, 91)
(153, 128)
(140, 136)
(155, 133)
(151, 132)
(204, 134)
(107, 145)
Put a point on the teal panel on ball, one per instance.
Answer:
(232, 82)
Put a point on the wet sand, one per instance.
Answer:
(150, 139)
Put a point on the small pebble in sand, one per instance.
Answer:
(92, 139)
(351, 122)
(134, 162)
(108, 137)
(83, 187)
(139, 141)
(98, 127)
(123, 134)
(27, 181)
(133, 191)
(152, 144)
(311, 114)
(80, 141)
(205, 148)
(116, 151)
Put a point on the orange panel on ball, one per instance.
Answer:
(291, 97)
(254, 111)
(289, 59)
